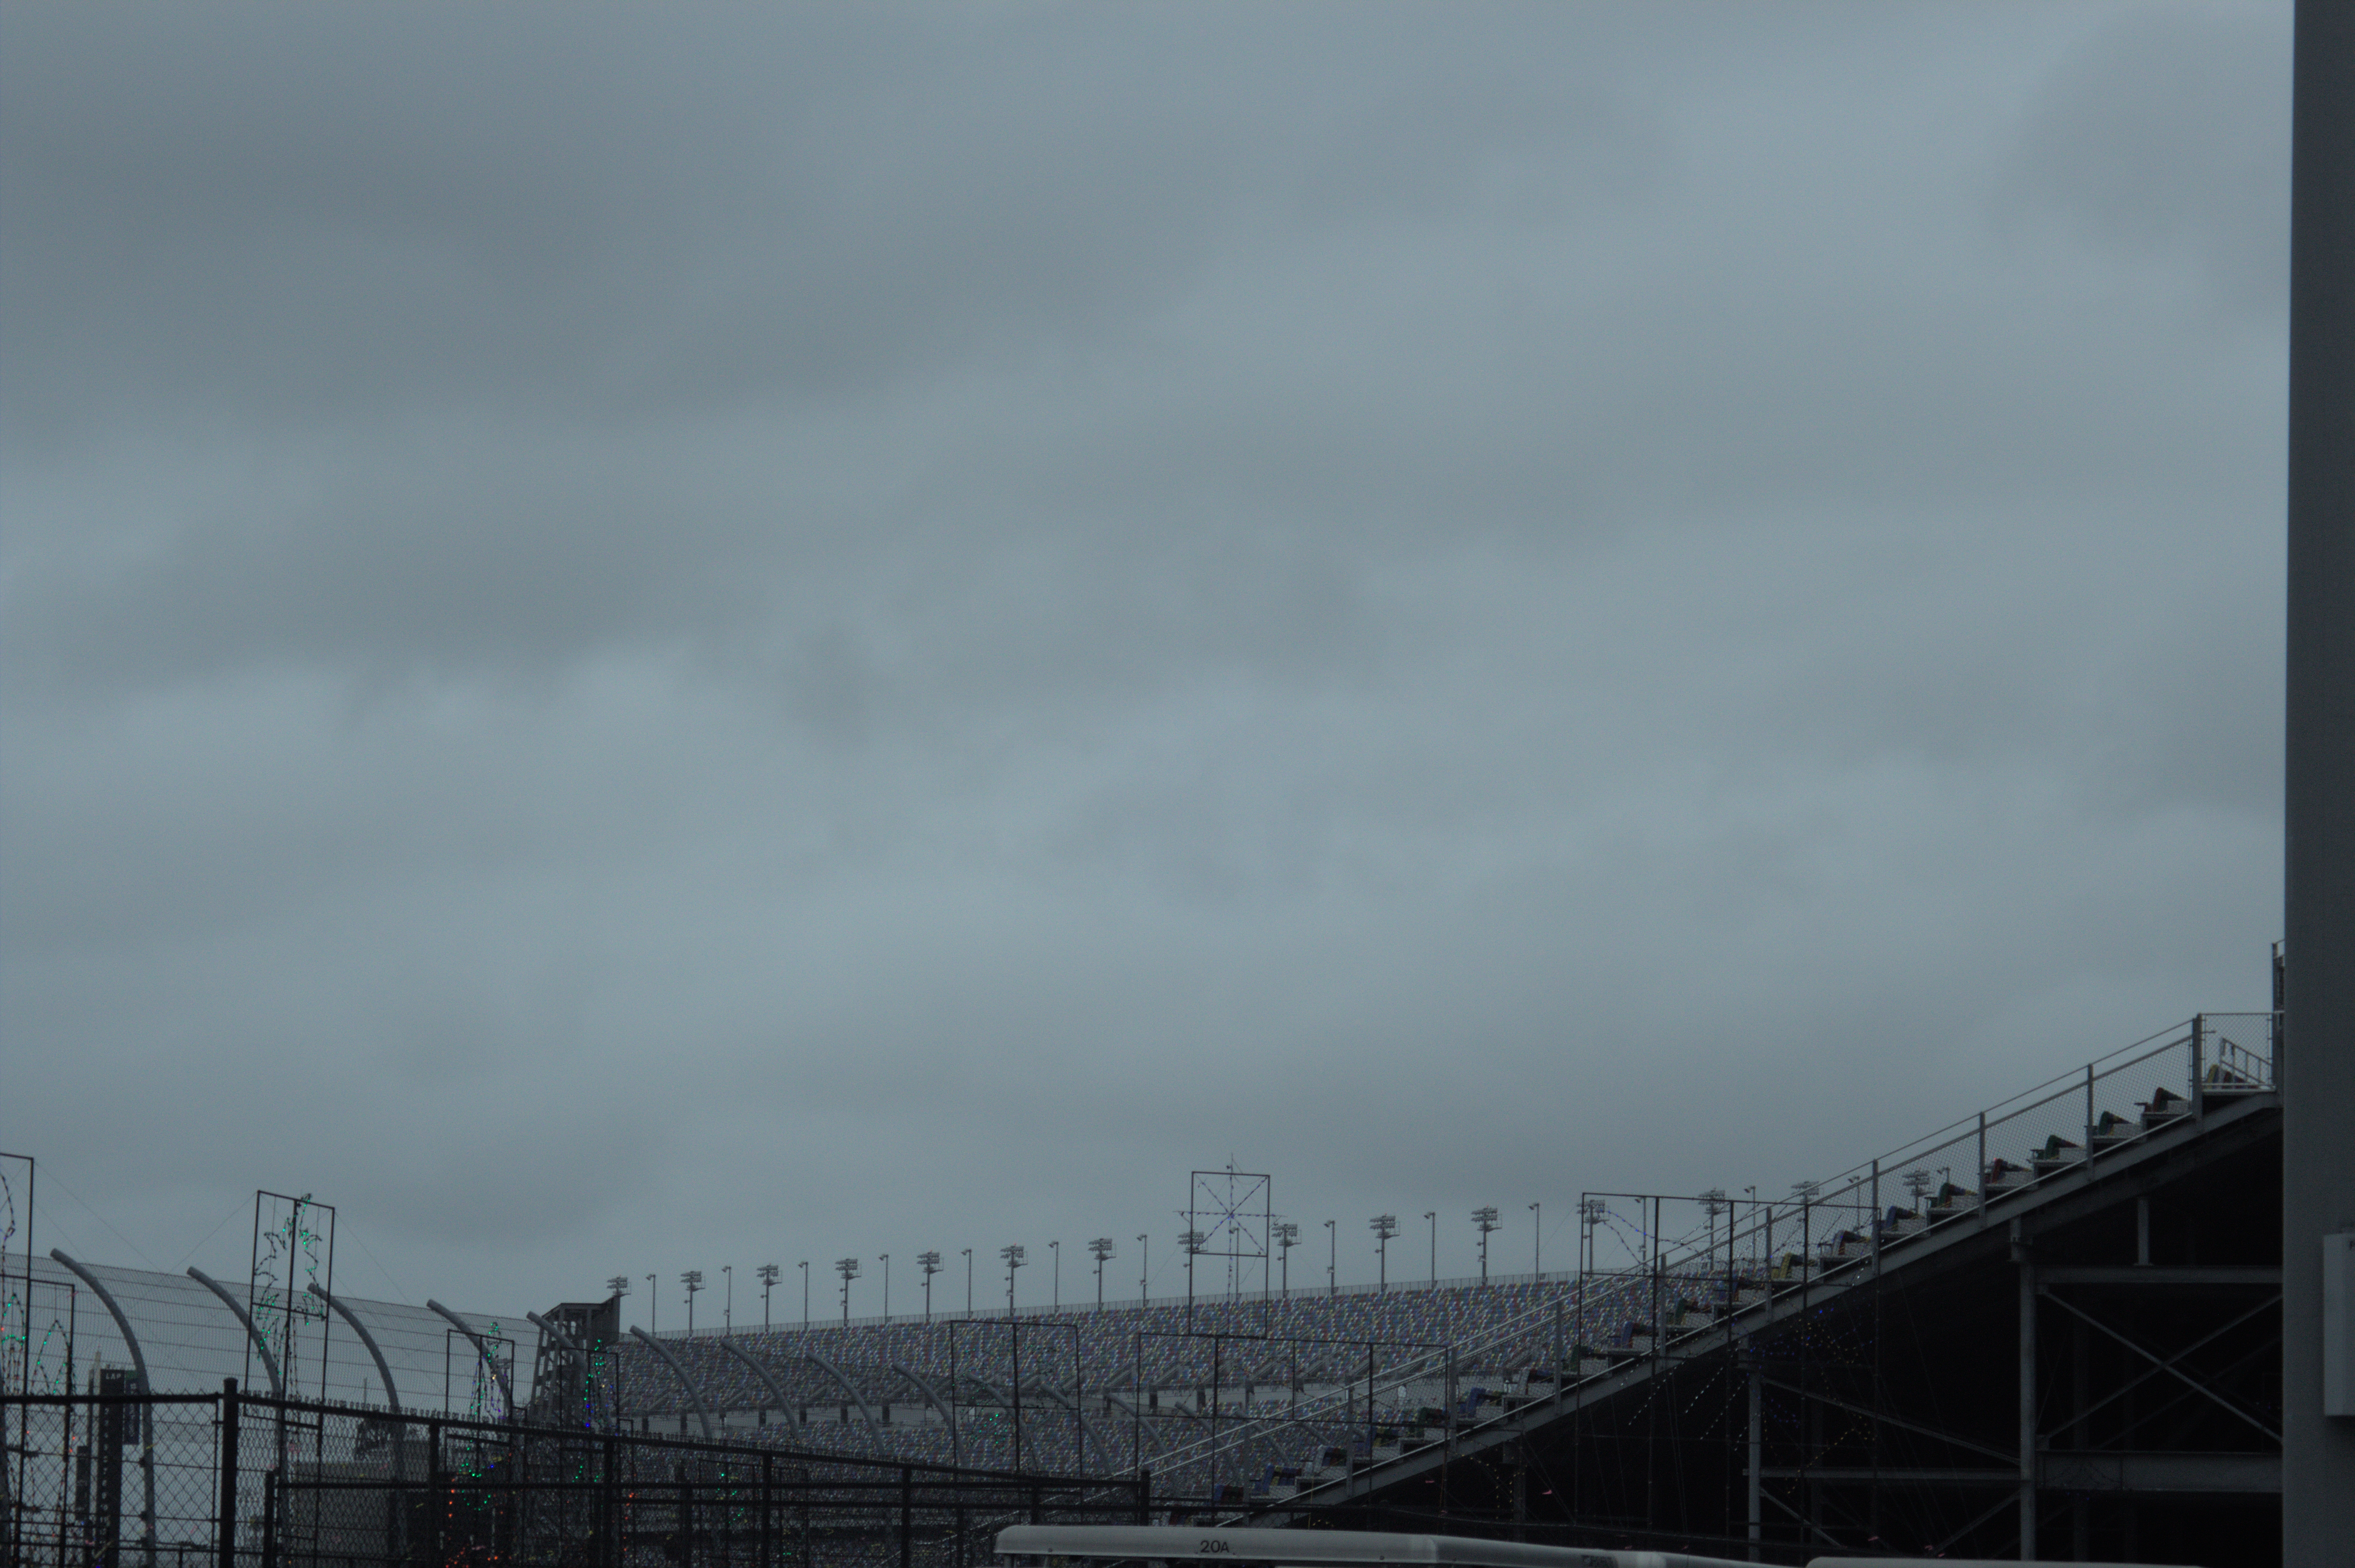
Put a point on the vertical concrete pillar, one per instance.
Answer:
(2319, 816)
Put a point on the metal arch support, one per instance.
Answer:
(481, 1348)
(1087, 1426)
(1160, 1442)
(760, 1371)
(702, 1411)
(139, 1365)
(874, 1428)
(244, 1320)
(391, 1394)
(932, 1398)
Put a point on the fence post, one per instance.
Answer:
(2199, 1097)
(225, 1531)
(436, 1484)
(1876, 1219)
(1983, 1168)
(270, 1518)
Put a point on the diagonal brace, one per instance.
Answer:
(1888, 1420)
(2133, 1384)
(2165, 1366)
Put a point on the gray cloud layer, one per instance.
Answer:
(636, 639)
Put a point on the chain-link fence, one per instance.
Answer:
(119, 1480)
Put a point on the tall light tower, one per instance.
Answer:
(1287, 1236)
(848, 1269)
(654, 1299)
(886, 1259)
(1430, 1218)
(769, 1276)
(1101, 1249)
(1055, 1250)
(2315, 1057)
(1143, 1267)
(1485, 1220)
(1192, 1242)
(1015, 1258)
(805, 1320)
(1536, 1243)
(693, 1280)
(1332, 1260)
(968, 1282)
(1384, 1226)
(727, 1300)
(930, 1262)
(619, 1285)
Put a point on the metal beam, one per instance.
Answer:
(138, 1365)
(244, 1320)
(2158, 1273)
(702, 1411)
(2092, 1470)
(391, 1394)
(483, 1348)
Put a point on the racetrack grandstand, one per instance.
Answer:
(1262, 1407)
(2047, 1323)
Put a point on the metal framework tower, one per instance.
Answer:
(2318, 806)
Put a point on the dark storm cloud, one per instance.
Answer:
(608, 607)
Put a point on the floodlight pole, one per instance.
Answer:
(2315, 1057)
(887, 1285)
(805, 1320)
(653, 1300)
(727, 1300)
(1332, 1258)
(848, 1269)
(1484, 1217)
(968, 1282)
(1055, 1300)
(1144, 1268)
(1433, 1216)
(1384, 1226)
(1536, 1243)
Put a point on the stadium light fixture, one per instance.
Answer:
(1714, 1202)
(1192, 1242)
(1143, 1267)
(930, 1262)
(805, 1268)
(1484, 1217)
(887, 1285)
(693, 1280)
(1432, 1215)
(727, 1300)
(1537, 1243)
(1100, 1249)
(1287, 1236)
(968, 1282)
(1332, 1258)
(653, 1301)
(1015, 1257)
(1055, 1300)
(1384, 1226)
(769, 1274)
(848, 1269)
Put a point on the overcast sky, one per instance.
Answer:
(653, 638)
